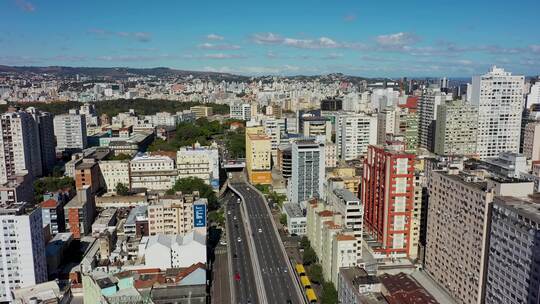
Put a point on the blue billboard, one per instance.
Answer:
(199, 216)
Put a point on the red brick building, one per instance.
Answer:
(387, 192)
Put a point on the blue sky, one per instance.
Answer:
(357, 37)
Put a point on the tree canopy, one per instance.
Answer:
(51, 184)
(122, 189)
(187, 134)
(329, 294)
(190, 184)
(140, 105)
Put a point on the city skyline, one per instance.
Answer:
(414, 39)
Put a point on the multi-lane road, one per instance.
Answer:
(274, 268)
(240, 259)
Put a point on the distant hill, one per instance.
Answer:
(116, 73)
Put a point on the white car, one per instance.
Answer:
(260, 230)
(223, 243)
(228, 212)
(234, 217)
(239, 240)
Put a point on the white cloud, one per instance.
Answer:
(223, 56)
(397, 40)
(267, 38)
(333, 56)
(139, 36)
(212, 46)
(214, 37)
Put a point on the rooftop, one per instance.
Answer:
(528, 207)
(346, 195)
(293, 210)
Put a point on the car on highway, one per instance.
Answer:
(234, 217)
(238, 200)
(223, 243)
(260, 230)
(229, 212)
(239, 240)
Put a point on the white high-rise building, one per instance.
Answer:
(19, 139)
(241, 111)
(534, 95)
(22, 249)
(354, 133)
(308, 171)
(499, 97)
(70, 131)
(201, 162)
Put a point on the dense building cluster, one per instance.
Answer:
(407, 191)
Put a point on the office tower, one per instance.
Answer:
(458, 229)
(388, 196)
(513, 271)
(443, 83)
(47, 146)
(331, 104)
(22, 250)
(387, 123)
(258, 156)
(317, 126)
(427, 113)
(272, 128)
(531, 141)
(354, 133)
(456, 128)
(499, 98)
(70, 132)
(308, 171)
(240, 111)
(19, 139)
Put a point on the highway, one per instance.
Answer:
(245, 290)
(279, 284)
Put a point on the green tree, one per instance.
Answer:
(265, 189)
(277, 198)
(236, 143)
(329, 294)
(121, 156)
(309, 257)
(283, 219)
(304, 243)
(51, 184)
(217, 217)
(315, 273)
(190, 184)
(122, 189)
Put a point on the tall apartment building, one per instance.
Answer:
(70, 131)
(308, 171)
(115, 172)
(80, 213)
(513, 271)
(531, 141)
(153, 172)
(427, 114)
(87, 174)
(258, 156)
(273, 129)
(241, 111)
(387, 123)
(349, 205)
(499, 98)
(458, 229)
(173, 214)
(408, 126)
(201, 162)
(22, 250)
(456, 128)
(19, 139)
(354, 134)
(47, 145)
(388, 196)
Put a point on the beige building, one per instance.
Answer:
(457, 229)
(531, 141)
(200, 162)
(348, 176)
(456, 128)
(334, 245)
(258, 156)
(171, 214)
(153, 172)
(201, 111)
(115, 172)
